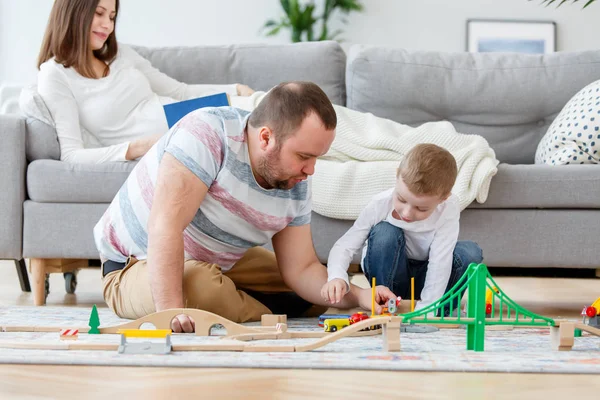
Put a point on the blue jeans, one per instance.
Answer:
(386, 260)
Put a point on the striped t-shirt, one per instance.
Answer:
(236, 213)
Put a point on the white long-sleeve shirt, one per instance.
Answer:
(97, 118)
(431, 239)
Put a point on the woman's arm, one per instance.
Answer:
(54, 89)
(164, 85)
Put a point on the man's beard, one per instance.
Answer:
(267, 169)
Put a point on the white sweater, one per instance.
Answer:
(97, 118)
(431, 239)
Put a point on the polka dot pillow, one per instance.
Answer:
(574, 136)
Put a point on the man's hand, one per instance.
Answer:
(243, 90)
(183, 324)
(333, 291)
(382, 295)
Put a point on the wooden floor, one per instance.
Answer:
(548, 296)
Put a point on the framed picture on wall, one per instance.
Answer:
(533, 37)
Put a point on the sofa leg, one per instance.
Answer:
(38, 274)
(597, 272)
(23, 276)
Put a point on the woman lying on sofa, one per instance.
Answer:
(106, 100)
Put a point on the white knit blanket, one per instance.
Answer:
(367, 150)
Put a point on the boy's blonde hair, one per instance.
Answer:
(428, 170)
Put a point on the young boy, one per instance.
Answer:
(410, 231)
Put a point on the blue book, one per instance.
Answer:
(176, 111)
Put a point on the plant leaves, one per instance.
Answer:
(270, 23)
(274, 31)
(299, 17)
(548, 2)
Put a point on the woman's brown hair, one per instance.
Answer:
(67, 37)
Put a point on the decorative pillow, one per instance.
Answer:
(33, 106)
(42, 142)
(574, 136)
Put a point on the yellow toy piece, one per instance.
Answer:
(596, 305)
(489, 295)
(335, 324)
(145, 333)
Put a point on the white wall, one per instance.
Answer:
(413, 24)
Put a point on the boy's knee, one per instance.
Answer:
(385, 232)
(468, 252)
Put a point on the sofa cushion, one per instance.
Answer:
(55, 230)
(511, 100)
(260, 66)
(574, 136)
(544, 186)
(51, 181)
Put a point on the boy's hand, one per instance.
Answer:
(334, 290)
(382, 295)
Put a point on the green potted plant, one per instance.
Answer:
(548, 2)
(299, 17)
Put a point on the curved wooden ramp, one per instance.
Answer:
(246, 337)
(588, 329)
(342, 333)
(204, 321)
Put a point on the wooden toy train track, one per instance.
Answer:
(237, 338)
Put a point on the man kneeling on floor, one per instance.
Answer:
(185, 229)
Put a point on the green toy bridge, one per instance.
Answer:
(477, 280)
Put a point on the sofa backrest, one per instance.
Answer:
(260, 66)
(510, 99)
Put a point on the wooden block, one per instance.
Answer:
(391, 336)
(273, 319)
(391, 346)
(563, 336)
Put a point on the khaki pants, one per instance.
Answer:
(205, 286)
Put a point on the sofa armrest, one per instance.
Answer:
(12, 185)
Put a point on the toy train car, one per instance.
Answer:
(591, 314)
(335, 324)
(323, 317)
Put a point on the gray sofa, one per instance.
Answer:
(536, 216)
